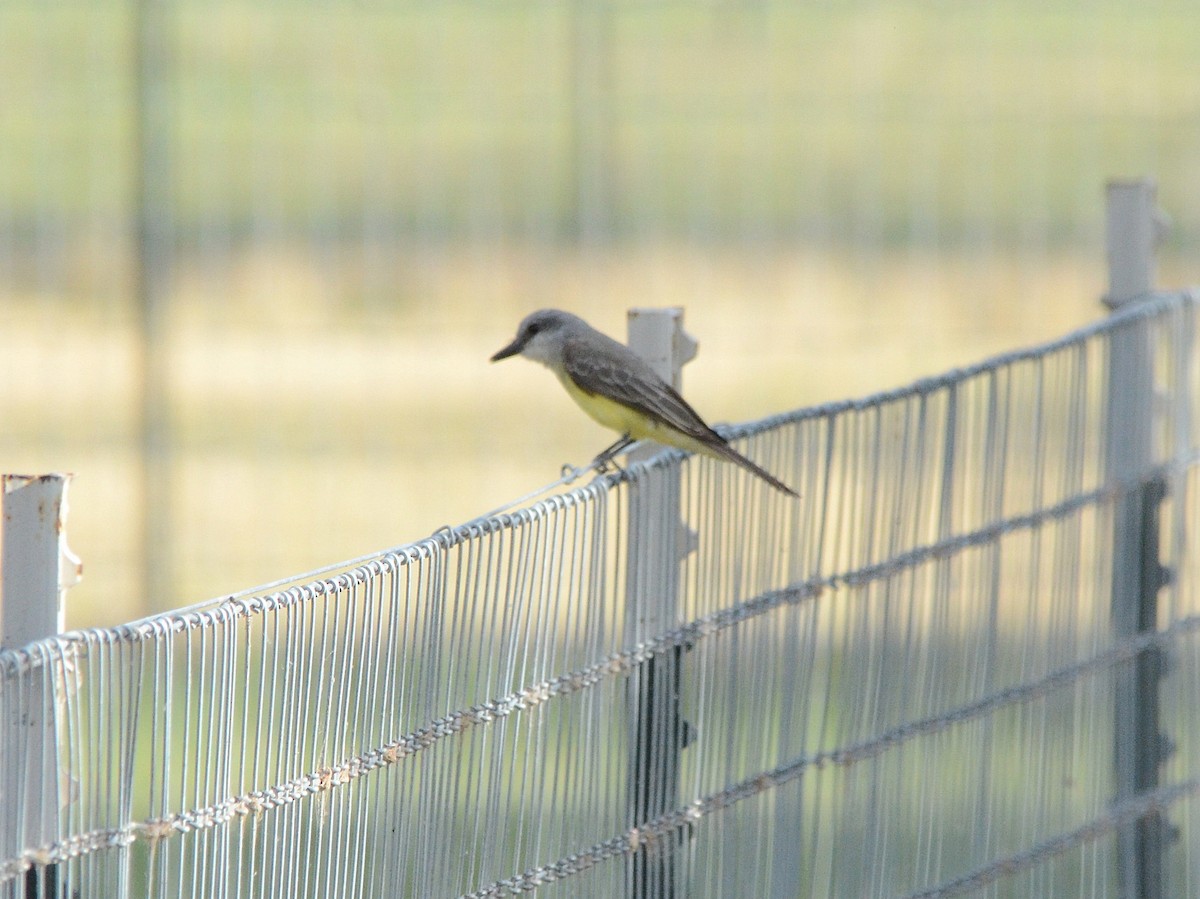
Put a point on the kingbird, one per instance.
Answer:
(619, 389)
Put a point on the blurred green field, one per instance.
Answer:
(365, 199)
(947, 123)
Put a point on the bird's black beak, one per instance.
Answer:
(511, 350)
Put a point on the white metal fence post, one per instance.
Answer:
(1137, 575)
(658, 732)
(35, 565)
(36, 568)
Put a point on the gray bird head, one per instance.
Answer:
(542, 335)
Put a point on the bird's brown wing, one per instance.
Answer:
(609, 369)
(614, 371)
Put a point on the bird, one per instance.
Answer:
(620, 390)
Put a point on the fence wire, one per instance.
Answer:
(902, 684)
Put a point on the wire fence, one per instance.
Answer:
(907, 683)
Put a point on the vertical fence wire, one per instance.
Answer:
(900, 685)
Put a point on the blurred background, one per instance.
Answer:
(254, 255)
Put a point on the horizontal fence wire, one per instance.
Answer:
(656, 830)
(618, 664)
(900, 685)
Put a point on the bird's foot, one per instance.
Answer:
(605, 459)
(603, 466)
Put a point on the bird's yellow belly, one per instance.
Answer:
(625, 420)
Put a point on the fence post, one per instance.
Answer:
(590, 80)
(658, 733)
(151, 287)
(36, 568)
(1137, 575)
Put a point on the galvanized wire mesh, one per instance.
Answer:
(900, 685)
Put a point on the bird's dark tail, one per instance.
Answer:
(723, 450)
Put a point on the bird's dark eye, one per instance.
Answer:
(533, 328)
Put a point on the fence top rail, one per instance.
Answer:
(242, 606)
(344, 575)
(1149, 306)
